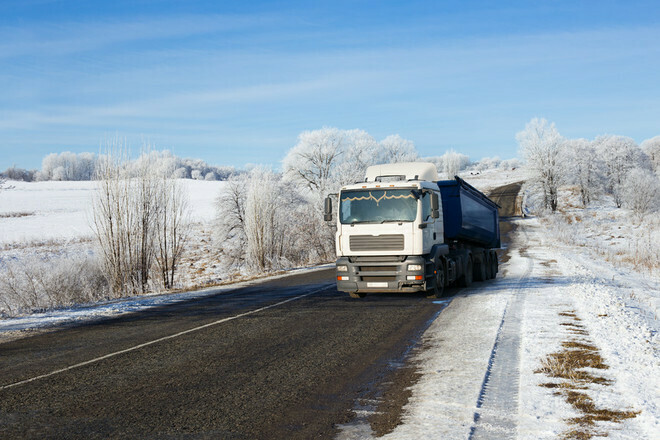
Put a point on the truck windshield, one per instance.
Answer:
(378, 206)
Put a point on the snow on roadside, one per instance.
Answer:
(619, 308)
(557, 280)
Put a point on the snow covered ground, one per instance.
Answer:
(62, 211)
(50, 224)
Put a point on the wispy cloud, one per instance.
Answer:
(67, 38)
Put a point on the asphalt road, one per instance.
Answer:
(290, 370)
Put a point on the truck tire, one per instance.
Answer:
(357, 294)
(489, 265)
(480, 269)
(438, 290)
(466, 279)
(494, 264)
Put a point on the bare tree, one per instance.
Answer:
(620, 155)
(641, 191)
(230, 207)
(139, 219)
(543, 148)
(586, 168)
(652, 149)
(268, 209)
(172, 228)
(113, 218)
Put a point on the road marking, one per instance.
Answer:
(155, 341)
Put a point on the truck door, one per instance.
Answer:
(427, 219)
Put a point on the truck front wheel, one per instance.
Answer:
(438, 290)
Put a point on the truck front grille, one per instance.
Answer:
(391, 242)
(377, 268)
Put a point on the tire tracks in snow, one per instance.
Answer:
(497, 406)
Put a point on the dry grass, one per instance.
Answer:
(573, 382)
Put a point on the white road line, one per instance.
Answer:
(164, 338)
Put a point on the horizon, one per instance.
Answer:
(235, 84)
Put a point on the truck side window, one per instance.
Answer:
(426, 207)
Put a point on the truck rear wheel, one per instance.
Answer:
(489, 265)
(466, 279)
(494, 264)
(438, 290)
(357, 294)
(480, 269)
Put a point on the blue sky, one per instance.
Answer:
(236, 82)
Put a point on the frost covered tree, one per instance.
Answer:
(620, 154)
(325, 159)
(172, 227)
(395, 149)
(641, 191)
(264, 223)
(360, 151)
(230, 208)
(543, 149)
(315, 157)
(68, 166)
(453, 163)
(585, 168)
(487, 163)
(652, 149)
(255, 219)
(19, 174)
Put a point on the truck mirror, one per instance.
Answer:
(435, 206)
(328, 210)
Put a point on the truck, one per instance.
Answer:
(404, 230)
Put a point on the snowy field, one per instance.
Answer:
(38, 212)
(46, 228)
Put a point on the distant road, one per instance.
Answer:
(283, 359)
(507, 197)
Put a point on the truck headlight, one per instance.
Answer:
(342, 268)
(414, 267)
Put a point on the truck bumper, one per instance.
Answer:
(382, 274)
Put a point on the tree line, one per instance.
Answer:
(67, 166)
(609, 164)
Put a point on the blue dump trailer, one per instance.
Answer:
(403, 230)
(469, 216)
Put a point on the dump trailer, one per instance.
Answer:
(403, 230)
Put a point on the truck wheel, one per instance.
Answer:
(466, 278)
(438, 291)
(357, 294)
(489, 265)
(494, 264)
(480, 270)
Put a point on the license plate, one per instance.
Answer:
(377, 284)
